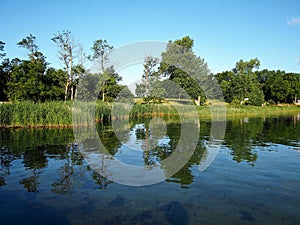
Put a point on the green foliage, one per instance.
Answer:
(5, 67)
(30, 45)
(241, 83)
(101, 50)
(151, 88)
(280, 86)
(125, 95)
(2, 54)
(31, 80)
(185, 42)
(140, 90)
(173, 90)
(108, 84)
(182, 66)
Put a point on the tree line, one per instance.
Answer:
(179, 74)
(35, 80)
(183, 74)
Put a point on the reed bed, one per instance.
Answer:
(61, 114)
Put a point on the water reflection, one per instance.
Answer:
(138, 143)
(44, 172)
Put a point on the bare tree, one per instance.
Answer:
(67, 54)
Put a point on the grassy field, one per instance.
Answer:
(59, 114)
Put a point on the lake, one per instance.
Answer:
(253, 179)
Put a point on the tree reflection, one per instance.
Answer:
(239, 138)
(6, 157)
(184, 176)
(281, 130)
(66, 183)
(158, 140)
(101, 181)
(35, 149)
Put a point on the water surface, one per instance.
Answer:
(253, 180)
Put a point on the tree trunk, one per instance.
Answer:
(66, 91)
(70, 73)
(72, 92)
(103, 96)
(198, 101)
(147, 83)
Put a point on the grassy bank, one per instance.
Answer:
(59, 114)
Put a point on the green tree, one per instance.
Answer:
(140, 90)
(181, 65)
(4, 72)
(293, 89)
(280, 86)
(241, 84)
(101, 50)
(30, 44)
(27, 77)
(151, 80)
(151, 88)
(172, 90)
(125, 95)
(227, 81)
(108, 84)
(32, 79)
(54, 88)
(149, 71)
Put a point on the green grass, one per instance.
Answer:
(236, 111)
(59, 114)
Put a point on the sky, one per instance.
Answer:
(223, 31)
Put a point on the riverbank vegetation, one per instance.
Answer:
(59, 114)
(35, 94)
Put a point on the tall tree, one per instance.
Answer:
(67, 53)
(151, 87)
(27, 77)
(30, 44)
(149, 71)
(241, 83)
(140, 90)
(294, 92)
(181, 65)
(101, 50)
(4, 71)
(280, 86)
(108, 84)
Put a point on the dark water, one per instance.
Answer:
(255, 178)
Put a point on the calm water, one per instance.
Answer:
(255, 178)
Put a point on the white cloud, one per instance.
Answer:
(298, 61)
(293, 21)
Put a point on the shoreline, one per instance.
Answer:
(65, 120)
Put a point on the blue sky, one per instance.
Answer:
(223, 31)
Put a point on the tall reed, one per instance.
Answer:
(61, 114)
